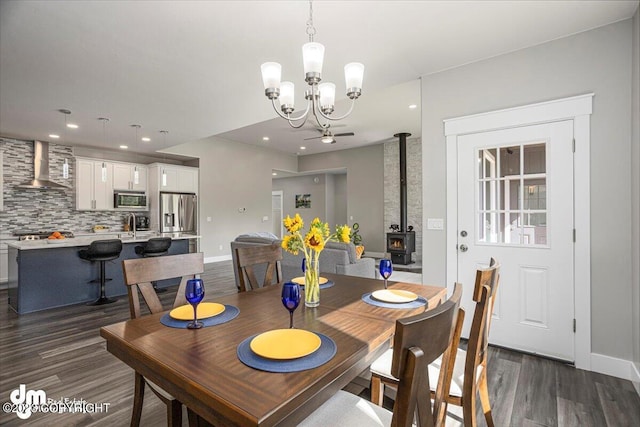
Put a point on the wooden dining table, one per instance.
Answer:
(202, 370)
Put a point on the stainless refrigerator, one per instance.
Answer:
(179, 213)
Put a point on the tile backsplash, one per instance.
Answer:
(39, 209)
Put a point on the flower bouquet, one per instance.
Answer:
(312, 243)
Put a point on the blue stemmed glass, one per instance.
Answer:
(194, 293)
(304, 265)
(386, 268)
(290, 299)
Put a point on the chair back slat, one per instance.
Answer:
(249, 257)
(418, 341)
(140, 272)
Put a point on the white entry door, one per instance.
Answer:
(515, 203)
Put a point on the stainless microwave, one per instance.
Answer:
(130, 200)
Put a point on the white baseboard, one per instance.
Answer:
(217, 259)
(615, 367)
(635, 376)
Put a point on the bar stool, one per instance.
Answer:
(102, 251)
(156, 246)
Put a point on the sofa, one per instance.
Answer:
(337, 257)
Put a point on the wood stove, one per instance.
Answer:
(401, 242)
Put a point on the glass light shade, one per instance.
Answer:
(136, 176)
(286, 93)
(104, 173)
(353, 75)
(312, 57)
(327, 94)
(65, 169)
(164, 178)
(271, 74)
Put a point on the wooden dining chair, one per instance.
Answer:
(466, 371)
(138, 276)
(418, 341)
(251, 258)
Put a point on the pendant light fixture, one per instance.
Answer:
(320, 96)
(164, 172)
(136, 174)
(104, 121)
(65, 165)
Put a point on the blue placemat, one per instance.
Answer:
(230, 312)
(318, 358)
(413, 304)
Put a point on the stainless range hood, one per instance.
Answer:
(41, 169)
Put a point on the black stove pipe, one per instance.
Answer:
(403, 179)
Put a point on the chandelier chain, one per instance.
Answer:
(311, 30)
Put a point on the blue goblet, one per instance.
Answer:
(304, 265)
(386, 268)
(194, 292)
(290, 299)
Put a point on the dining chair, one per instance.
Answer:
(466, 370)
(418, 341)
(250, 257)
(139, 274)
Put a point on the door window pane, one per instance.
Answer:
(512, 195)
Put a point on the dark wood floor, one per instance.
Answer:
(60, 351)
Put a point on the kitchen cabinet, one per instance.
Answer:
(127, 176)
(174, 178)
(94, 184)
(4, 261)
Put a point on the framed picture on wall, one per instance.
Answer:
(303, 201)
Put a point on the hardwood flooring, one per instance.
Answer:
(60, 351)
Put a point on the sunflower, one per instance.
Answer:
(293, 224)
(315, 239)
(343, 233)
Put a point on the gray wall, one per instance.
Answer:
(635, 191)
(596, 61)
(232, 176)
(304, 185)
(340, 193)
(365, 185)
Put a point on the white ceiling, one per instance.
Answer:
(193, 67)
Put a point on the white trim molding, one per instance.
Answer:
(615, 367)
(576, 108)
(212, 259)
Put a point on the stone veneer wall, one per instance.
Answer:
(50, 210)
(414, 188)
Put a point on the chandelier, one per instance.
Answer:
(320, 96)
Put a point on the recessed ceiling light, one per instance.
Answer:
(265, 138)
(274, 173)
(303, 148)
(146, 139)
(72, 126)
(413, 106)
(54, 136)
(124, 147)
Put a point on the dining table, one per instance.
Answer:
(201, 367)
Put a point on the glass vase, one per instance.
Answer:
(312, 283)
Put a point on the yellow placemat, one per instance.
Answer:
(300, 280)
(394, 295)
(205, 310)
(285, 344)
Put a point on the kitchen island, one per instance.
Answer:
(45, 275)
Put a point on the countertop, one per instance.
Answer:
(86, 239)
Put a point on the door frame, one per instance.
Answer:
(578, 109)
(281, 194)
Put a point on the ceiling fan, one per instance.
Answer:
(328, 137)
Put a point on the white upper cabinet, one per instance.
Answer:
(94, 184)
(179, 179)
(127, 176)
